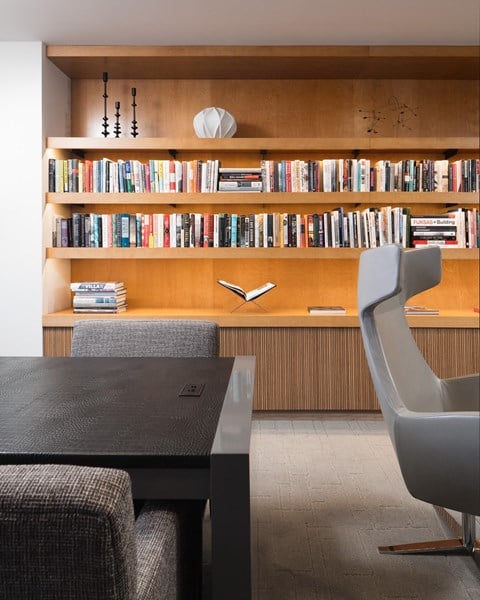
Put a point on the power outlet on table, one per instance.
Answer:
(192, 389)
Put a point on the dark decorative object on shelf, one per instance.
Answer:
(134, 121)
(117, 130)
(401, 114)
(373, 118)
(105, 96)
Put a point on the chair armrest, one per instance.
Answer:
(461, 393)
(439, 456)
(157, 549)
(169, 550)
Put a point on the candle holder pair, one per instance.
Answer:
(117, 129)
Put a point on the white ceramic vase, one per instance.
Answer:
(214, 122)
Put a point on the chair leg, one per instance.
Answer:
(465, 545)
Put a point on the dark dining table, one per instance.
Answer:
(179, 426)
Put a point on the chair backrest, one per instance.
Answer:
(434, 423)
(131, 338)
(66, 532)
(388, 277)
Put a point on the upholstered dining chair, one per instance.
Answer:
(434, 423)
(69, 532)
(132, 338)
(176, 338)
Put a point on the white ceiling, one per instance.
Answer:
(250, 22)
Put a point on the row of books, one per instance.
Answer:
(336, 228)
(99, 296)
(362, 175)
(327, 175)
(105, 175)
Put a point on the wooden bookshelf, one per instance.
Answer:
(236, 144)
(253, 316)
(267, 62)
(233, 253)
(308, 102)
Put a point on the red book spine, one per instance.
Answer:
(148, 186)
(171, 176)
(166, 231)
(208, 230)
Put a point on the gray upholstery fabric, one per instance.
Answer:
(434, 423)
(172, 528)
(68, 533)
(169, 338)
(174, 338)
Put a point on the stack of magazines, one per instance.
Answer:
(99, 296)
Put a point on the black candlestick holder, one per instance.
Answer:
(116, 129)
(105, 96)
(134, 106)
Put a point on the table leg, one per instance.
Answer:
(230, 526)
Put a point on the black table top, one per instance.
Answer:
(124, 412)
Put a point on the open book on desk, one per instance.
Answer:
(252, 294)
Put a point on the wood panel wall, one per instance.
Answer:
(318, 369)
(285, 107)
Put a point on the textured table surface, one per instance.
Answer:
(118, 411)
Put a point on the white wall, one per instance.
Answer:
(21, 199)
(56, 122)
(34, 101)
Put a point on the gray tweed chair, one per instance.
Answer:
(166, 338)
(434, 423)
(69, 533)
(174, 338)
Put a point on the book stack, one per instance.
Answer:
(437, 230)
(418, 309)
(240, 179)
(326, 310)
(99, 296)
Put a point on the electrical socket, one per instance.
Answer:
(192, 389)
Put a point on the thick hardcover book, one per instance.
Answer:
(326, 310)
(416, 309)
(252, 294)
(100, 303)
(239, 185)
(100, 310)
(100, 286)
(436, 242)
(242, 170)
(118, 294)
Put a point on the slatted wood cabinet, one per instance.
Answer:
(289, 103)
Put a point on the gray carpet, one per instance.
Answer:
(325, 493)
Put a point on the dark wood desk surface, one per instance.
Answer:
(127, 413)
(116, 412)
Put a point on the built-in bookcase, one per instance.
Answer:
(308, 103)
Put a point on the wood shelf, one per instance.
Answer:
(233, 253)
(308, 102)
(267, 62)
(254, 317)
(264, 145)
(260, 198)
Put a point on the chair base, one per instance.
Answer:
(463, 545)
(452, 546)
